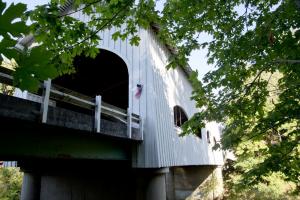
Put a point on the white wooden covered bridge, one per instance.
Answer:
(127, 94)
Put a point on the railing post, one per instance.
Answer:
(98, 113)
(142, 128)
(129, 123)
(45, 100)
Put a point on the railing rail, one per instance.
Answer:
(57, 93)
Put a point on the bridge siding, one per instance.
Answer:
(163, 89)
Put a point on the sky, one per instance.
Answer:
(197, 60)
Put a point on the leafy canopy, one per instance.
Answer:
(10, 27)
(254, 89)
(59, 37)
(255, 47)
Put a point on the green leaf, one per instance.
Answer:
(8, 17)
(36, 67)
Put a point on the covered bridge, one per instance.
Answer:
(111, 130)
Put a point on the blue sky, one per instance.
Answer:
(197, 60)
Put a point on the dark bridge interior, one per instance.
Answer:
(106, 75)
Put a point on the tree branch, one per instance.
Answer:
(99, 29)
(288, 61)
(75, 11)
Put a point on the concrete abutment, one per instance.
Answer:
(31, 186)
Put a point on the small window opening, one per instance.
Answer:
(208, 136)
(179, 116)
(199, 133)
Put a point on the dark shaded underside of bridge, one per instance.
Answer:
(67, 134)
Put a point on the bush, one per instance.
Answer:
(271, 187)
(10, 183)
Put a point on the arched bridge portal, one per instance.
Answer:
(106, 75)
(84, 115)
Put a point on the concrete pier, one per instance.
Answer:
(114, 180)
(31, 186)
(91, 180)
(156, 187)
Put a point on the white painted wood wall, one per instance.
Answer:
(162, 90)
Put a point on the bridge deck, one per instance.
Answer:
(39, 127)
(22, 109)
(28, 140)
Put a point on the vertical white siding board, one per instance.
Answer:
(128, 52)
(142, 156)
(163, 155)
(158, 114)
(145, 88)
(142, 75)
(154, 99)
(159, 110)
(160, 107)
(155, 146)
(141, 57)
(104, 42)
(120, 42)
(163, 104)
(149, 131)
(120, 46)
(171, 131)
(164, 119)
(153, 154)
(135, 75)
(131, 68)
(131, 81)
(102, 38)
(123, 49)
(111, 44)
(115, 42)
(108, 38)
(105, 38)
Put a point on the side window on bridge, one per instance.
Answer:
(179, 116)
(208, 136)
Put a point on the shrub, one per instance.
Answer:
(10, 183)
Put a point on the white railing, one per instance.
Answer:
(54, 93)
(96, 103)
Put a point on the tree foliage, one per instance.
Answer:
(10, 183)
(255, 47)
(10, 27)
(253, 43)
(59, 36)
